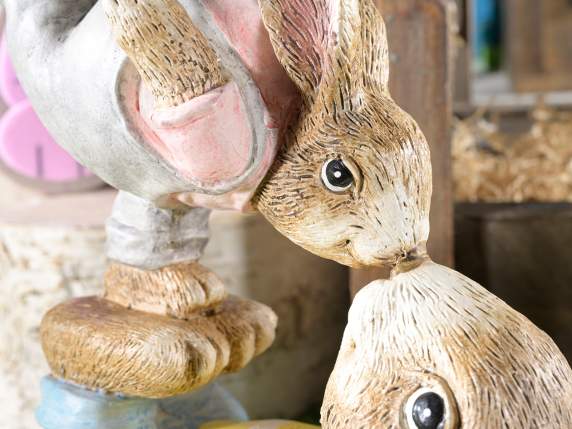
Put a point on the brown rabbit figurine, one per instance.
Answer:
(281, 106)
(196, 104)
(353, 180)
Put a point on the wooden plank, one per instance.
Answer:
(539, 40)
(420, 34)
(463, 55)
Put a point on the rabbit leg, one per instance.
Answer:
(165, 325)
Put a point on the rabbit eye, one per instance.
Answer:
(336, 176)
(426, 409)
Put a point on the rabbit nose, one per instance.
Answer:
(410, 259)
(410, 256)
(418, 252)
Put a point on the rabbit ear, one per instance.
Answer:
(318, 41)
(373, 52)
(301, 32)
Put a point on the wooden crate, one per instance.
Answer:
(521, 253)
(539, 41)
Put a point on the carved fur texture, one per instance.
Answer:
(336, 53)
(177, 290)
(433, 328)
(99, 344)
(172, 56)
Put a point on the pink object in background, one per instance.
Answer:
(26, 147)
(10, 87)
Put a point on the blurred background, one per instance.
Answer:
(512, 156)
(490, 83)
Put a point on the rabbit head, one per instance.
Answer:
(353, 179)
(432, 349)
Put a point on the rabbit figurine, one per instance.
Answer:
(204, 93)
(431, 349)
(198, 104)
(281, 106)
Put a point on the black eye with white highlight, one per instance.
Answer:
(336, 176)
(426, 409)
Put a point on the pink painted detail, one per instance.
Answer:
(169, 131)
(207, 138)
(10, 88)
(27, 148)
(239, 199)
(242, 24)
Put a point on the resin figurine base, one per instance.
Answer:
(165, 324)
(66, 406)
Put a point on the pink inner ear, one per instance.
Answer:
(27, 148)
(241, 22)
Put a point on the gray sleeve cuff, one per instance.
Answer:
(144, 236)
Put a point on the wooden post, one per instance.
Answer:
(539, 40)
(462, 94)
(420, 34)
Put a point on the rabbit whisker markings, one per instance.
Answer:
(348, 115)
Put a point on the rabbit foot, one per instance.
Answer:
(99, 344)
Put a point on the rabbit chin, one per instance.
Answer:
(357, 243)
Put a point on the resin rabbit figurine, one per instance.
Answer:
(200, 104)
(186, 105)
(195, 107)
(431, 349)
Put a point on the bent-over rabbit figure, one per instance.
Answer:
(281, 106)
(185, 106)
(195, 107)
